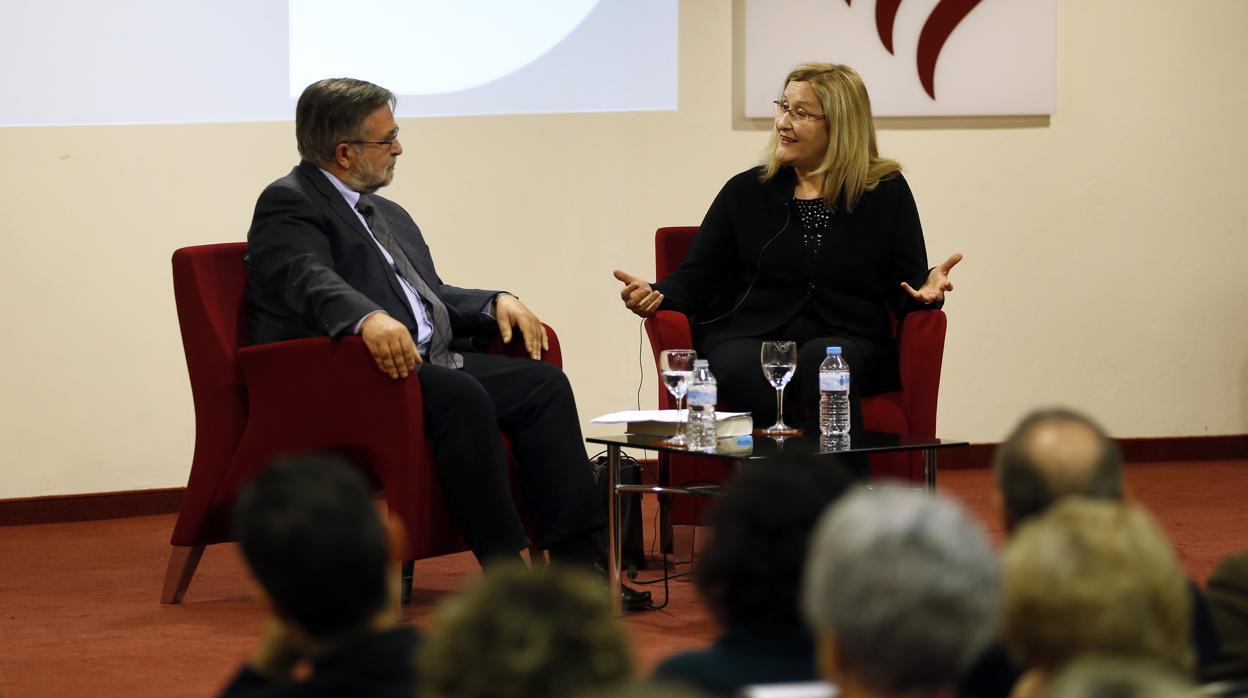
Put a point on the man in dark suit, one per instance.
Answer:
(328, 257)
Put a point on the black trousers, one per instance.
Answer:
(532, 403)
(737, 366)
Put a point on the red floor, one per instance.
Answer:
(79, 612)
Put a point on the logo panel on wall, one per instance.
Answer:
(917, 57)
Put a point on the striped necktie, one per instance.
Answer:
(439, 344)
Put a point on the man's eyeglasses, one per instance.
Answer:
(388, 145)
(798, 116)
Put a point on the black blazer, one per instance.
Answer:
(376, 665)
(316, 271)
(747, 271)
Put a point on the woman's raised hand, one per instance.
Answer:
(637, 295)
(937, 283)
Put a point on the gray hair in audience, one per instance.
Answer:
(907, 584)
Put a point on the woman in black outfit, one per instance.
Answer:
(815, 245)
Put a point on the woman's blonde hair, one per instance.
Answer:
(520, 633)
(852, 164)
(1095, 577)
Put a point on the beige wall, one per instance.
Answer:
(1104, 267)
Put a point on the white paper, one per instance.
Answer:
(671, 416)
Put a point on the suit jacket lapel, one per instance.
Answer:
(337, 204)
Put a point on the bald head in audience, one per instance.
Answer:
(1053, 453)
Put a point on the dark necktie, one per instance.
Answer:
(439, 344)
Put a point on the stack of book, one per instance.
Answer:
(666, 422)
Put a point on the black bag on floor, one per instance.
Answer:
(632, 547)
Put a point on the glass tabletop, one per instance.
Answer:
(757, 446)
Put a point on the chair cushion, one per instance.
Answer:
(884, 413)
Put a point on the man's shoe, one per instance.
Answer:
(590, 549)
(630, 599)
(634, 599)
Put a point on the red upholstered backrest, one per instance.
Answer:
(669, 330)
(920, 339)
(670, 246)
(921, 351)
(208, 286)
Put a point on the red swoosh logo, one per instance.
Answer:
(943, 20)
(885, 16)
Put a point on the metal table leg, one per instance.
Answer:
(929, 469)
(613, 528)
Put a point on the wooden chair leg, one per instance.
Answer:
(405, 582)
(183, 560)
(537, 556)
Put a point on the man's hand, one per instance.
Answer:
(281, 648)
(509, 312)
(937, 283)
(638, 296)
(390, 344)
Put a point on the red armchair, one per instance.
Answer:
(911, 410)
(253, 403)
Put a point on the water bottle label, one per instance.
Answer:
(702, 395)
(834, 380)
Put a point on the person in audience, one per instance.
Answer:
(322, 557)
(1227, 594)
(1119, 677)
(1054, 453)
(1093, 577)
(544, 633)
(820, 244)
(902, 591)
(750, 575)
(647, 688)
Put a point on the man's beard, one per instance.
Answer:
(368, 179)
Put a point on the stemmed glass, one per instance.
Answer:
(676, 367)
(779, 362)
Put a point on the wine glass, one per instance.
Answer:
(676, 367)
(779, 362)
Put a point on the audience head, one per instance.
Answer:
(647, 689)
(316, 544)
(332, 111)
(1095, 577)
(1053, 453)
(902, 591)
(1226, 594)
(751, 571)
(1119, 677)
(840, 146)
(544, 633)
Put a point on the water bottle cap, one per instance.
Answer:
(834, 350)
(701, 363)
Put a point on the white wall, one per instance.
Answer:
(1104, 248)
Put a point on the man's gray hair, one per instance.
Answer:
(907, 584)
(332, 111)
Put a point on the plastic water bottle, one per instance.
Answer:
(834, 394)
(703, 394)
